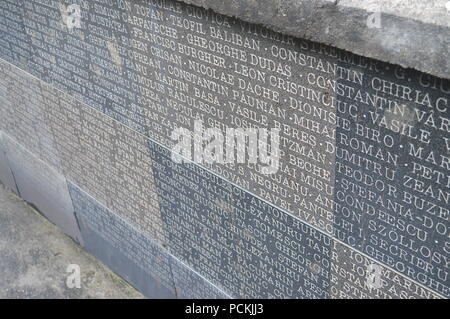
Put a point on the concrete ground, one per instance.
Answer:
(35, 254)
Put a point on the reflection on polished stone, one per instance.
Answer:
(361, 197)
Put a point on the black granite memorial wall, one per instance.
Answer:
(357, 208)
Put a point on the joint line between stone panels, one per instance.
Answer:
(172, 277)
(49, 166)
(119, 218)
(109, 209)
(164, 249)
(207, 280)
(8, 165)
(241, 188)
(305, 222)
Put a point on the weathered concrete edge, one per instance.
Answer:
(404, 41)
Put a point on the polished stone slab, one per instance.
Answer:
(364, 150)
(190, 285)
(139, 260)
(24, 115)
(235, 240)
(42, 187)
(6, 176)
(122, 248)
(254, 250)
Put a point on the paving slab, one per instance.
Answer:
(35, 256)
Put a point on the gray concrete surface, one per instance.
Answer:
(412, 33)
(35, 254)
